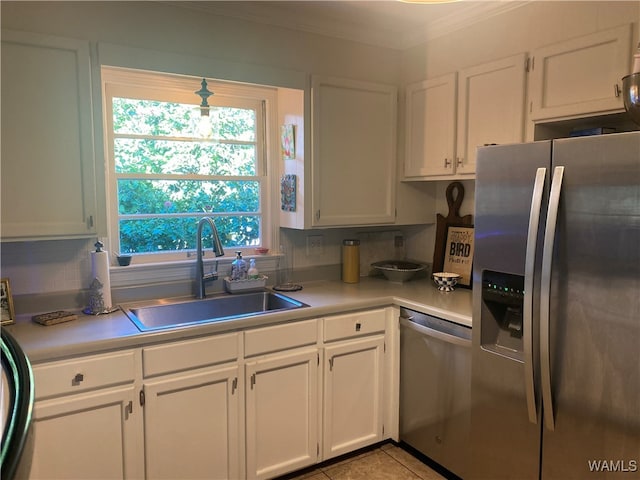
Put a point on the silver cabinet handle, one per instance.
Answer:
(529, 268)
(545, 297)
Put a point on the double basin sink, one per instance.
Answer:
(163, 315)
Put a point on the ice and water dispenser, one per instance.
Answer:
(502, 307)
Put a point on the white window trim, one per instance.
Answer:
(115, 78)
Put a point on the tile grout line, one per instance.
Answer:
(405, 466)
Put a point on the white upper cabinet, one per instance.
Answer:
(430, 127)
(48, 188)
(353, 152)
(446, 123)
(581, 76)
(491, 105)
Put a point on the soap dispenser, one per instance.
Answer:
(253, 271)
(239, 268)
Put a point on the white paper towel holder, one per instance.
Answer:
(96, 296)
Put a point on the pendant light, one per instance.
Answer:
(204, 93)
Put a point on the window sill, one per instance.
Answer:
(150, 273)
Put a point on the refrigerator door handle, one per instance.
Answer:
(529, 268)
(545, 297)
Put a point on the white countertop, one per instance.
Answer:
(94, 334)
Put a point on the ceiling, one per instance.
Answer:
(386, 23)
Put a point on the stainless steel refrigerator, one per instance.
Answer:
(556, 310)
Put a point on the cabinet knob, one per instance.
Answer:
(447, 163)
(459, 161)
(77, 379)
(358, 326)
(616, 90)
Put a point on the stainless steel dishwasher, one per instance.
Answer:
(435, 388)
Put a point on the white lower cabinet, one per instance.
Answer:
(191, 427)
(282, 413)
(192, 409)
(254, 404)
(353, 412)
(353, 389)
(85, 425)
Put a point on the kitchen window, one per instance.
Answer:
(169, 166)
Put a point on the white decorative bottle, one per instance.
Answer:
(253, 271)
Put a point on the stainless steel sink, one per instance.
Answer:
(215, 309)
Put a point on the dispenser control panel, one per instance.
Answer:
(501, 321)
(502, 288)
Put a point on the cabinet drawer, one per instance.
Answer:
(174, 357)
(280, 337)
(85, 373)
(354, 325)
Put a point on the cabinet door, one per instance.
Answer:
(282, 413)
(354, 152)
(191, 425)
(491, 100)
(430, 127)
(581, 76)
(48, 188)
(88, 436)
(353, 389)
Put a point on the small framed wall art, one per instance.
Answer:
(288, 142)
(288, 193)
(458, 255)
(6, 303)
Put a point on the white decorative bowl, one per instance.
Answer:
(446, 281)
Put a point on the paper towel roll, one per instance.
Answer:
(100, 270)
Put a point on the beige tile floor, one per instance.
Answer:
(386, 462)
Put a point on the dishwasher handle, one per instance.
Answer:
(431, 332)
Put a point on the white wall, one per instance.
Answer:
(169, 38)
(536, 24)
(165, 37)
(177, 31)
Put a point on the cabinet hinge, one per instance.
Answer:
(331, 364)
(317, 214)
(142, 398)
(318, 359)
(234, 385)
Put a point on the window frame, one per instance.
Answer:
(129, 83)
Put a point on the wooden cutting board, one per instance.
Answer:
(455, 195)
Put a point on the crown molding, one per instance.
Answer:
(474, 12)
(277, 14)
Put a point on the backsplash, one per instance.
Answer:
(47, 266)
(62, 268)
(377, 246)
